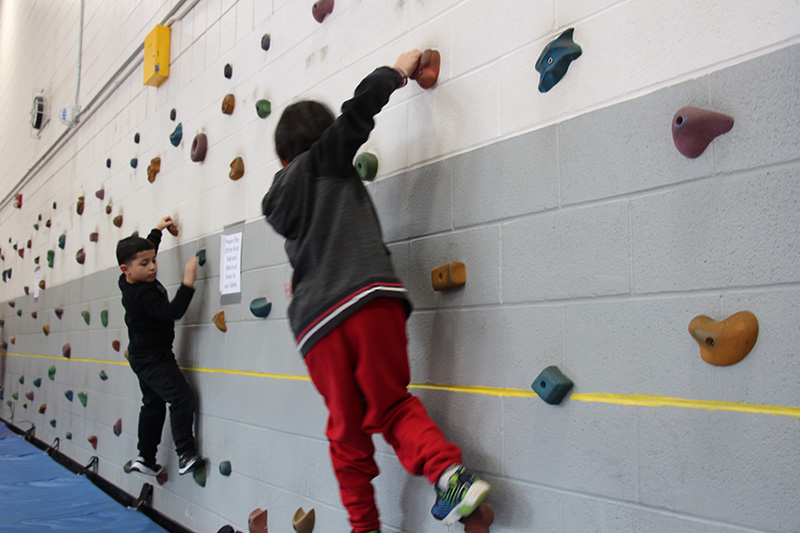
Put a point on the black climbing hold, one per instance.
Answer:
(228, 72)
(173, 114)
(136, 138)
(108, 163)
(265, 42)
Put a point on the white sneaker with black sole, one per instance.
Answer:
(189, 462)
(146, 468)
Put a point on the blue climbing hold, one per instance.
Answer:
(551, 385)
(176, 136)
(260, 307)
(555, 59)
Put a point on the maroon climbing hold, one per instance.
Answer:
(66, 350)
(34, 314)
(173, 229)
(80, 257)
(92, 440)
(118, 427)
(101, 194)
(116, 345)
(427, 70)
(480, 519)
(321, 9)
(94, 236)
(18, 200)
(693, 129)
(59, 312)
(29, 394)
(199, 147)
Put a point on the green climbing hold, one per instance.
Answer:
(199, 475)
(15, 395)
(260, 307)
(36, 227)
(68, 435)
(51, 255)
(51, 372)
(104, 317)
(53, 422)
(127, 468)
(86, 317)
(366, 166)
(62, 241)
(225, 468)
(103, 375)
(263, 108)
(83, 398)
(8, 403)
(37, 382)
(68, 395)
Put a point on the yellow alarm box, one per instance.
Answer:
(156, 56)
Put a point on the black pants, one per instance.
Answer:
(162, 382)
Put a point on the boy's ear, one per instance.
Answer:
(124, 268)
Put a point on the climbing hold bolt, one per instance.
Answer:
(176, 136)
(263, 108)
(321, 9)
(725, 342)
(448, 276)
(367, 166)
(260, 307)
(693, 129)
(219, 321)
(551, 385)
(237, 169)
(427, 70)
(554, 60)
(228, 103)
(303, 522)
(199, 147)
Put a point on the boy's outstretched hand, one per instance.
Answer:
(190, 272)
(407, 61)
(164, 222)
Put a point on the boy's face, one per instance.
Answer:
(142, 269)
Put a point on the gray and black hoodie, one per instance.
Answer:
(333, 236)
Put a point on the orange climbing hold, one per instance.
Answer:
(257, 521)
(725, 342)
(228, 103)
(46, 329)
(237, 169)
(92, 440)
(153, 169)
(219, 321)
(118, 220)
(427, 71)
(448, 276)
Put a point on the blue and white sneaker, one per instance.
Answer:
(465, 493)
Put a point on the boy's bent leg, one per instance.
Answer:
(329, 365)
(151, 422)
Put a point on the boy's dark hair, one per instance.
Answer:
(128, 248)
(300, 126)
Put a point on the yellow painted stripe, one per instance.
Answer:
(476, 389)
(706, 405)
(246, 373)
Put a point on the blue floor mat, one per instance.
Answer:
(38, 494)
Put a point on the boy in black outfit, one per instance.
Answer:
(150, 317)
(349, 309)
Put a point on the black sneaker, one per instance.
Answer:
(189, 462)
(148, 468)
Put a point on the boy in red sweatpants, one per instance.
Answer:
(349, 309)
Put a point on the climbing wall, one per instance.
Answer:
(589, 242)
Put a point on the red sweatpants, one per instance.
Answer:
(361, 369)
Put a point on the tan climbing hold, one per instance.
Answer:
(725, 342)
(219, 321)
(237, 169)
(127, 354)
(303, 522)
(79, 207)
(42, 408)
(46, 329)
(228, 103)
(448, 276)
(257, 521)
(14, 339)
(153, 169)
(118, 221)
(92, 440)
(42, 284)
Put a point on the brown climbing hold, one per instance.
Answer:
(21, 252)
(79, 207)
(46, 329)
(321, 9)
(48, 223)
(693, 129)
(237, 169)
(66, 350)
(108, 209)
(118, 427)
(199, 147)
(173, 229)
(219, 321)
(94, 236)
(92, 440)
(153, 169)
(42, 284)
(725, 342)
(228, 103)
(127, 354)
(118, 221)
(115, 345)
(101, 194)
(14, 340)
(59, 311)
(448, 276)
(427, 70)
(34, 314)
(303, 522)
(42, 408)
(80, 256)
(480, 519)
(163, 477)
(257, 521)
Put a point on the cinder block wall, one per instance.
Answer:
(590, 243)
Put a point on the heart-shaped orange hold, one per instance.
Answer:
(725, 342)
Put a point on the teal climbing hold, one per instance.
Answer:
(176, 136)
(62, 241)
(21, 380)
(134, 163)
(37, 382)
(201, 257)
(263, 108)
(367, 166)
(551, 385)
(68, 435)
(555, 59)
(103, 375)
(260, 307)
(53, 422)
(82, 396)
(68, 395)
(225, 468)
(86, 317)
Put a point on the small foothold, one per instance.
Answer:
(51, 255)
(80, 205)
(225, 468)
(480, 519)
(80, 256)
(46, 329)
(83, 398)
(14, 339)
(219, 321)
(118, 221)
(18, 200)
(21, 252)
(26, 290)
(103, 375)
(265, 41)
(108, 209)
(555, 59)
(59, 311)
(115, 345)
(199, 475)
(94, 236)
(53, 422)
(228, 71)
(29, 394)
(19, 313)
(176, 136)
(51, 372)
(153, 169)
(173, 230)
(725, 342)
(48, 223)
(42, 408)
(25, 405)
(427, 70)
(118, 427)
(303, 522)
(127, 355)
(29, 244)
(448, 276)
(136, 138)
(66, 350)
(134, 162)
(163, 477)
(42, 285)
(101, 194)
(257, 521)
(68, 435)
(551, 385)
(366, 165)
(127, 467)
(237, 169)
(108, 163)
(36, 227)
(68, 395)
(199, 147)
(260, 307)
(87, 317)
(37, 382)
(228, 103)
(21, 380)
(693, 129)
(172, 115)
(55, 205)
(12, 303)
(92, 440)
(321, 9)
(15, 395)
(62, 241)
(201, 256)
(104, 317)
(263, 108)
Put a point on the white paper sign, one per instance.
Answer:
(230, 266)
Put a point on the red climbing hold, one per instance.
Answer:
(92, 440)
(321, 9)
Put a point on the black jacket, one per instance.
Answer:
(333, 236)
(149, 314)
